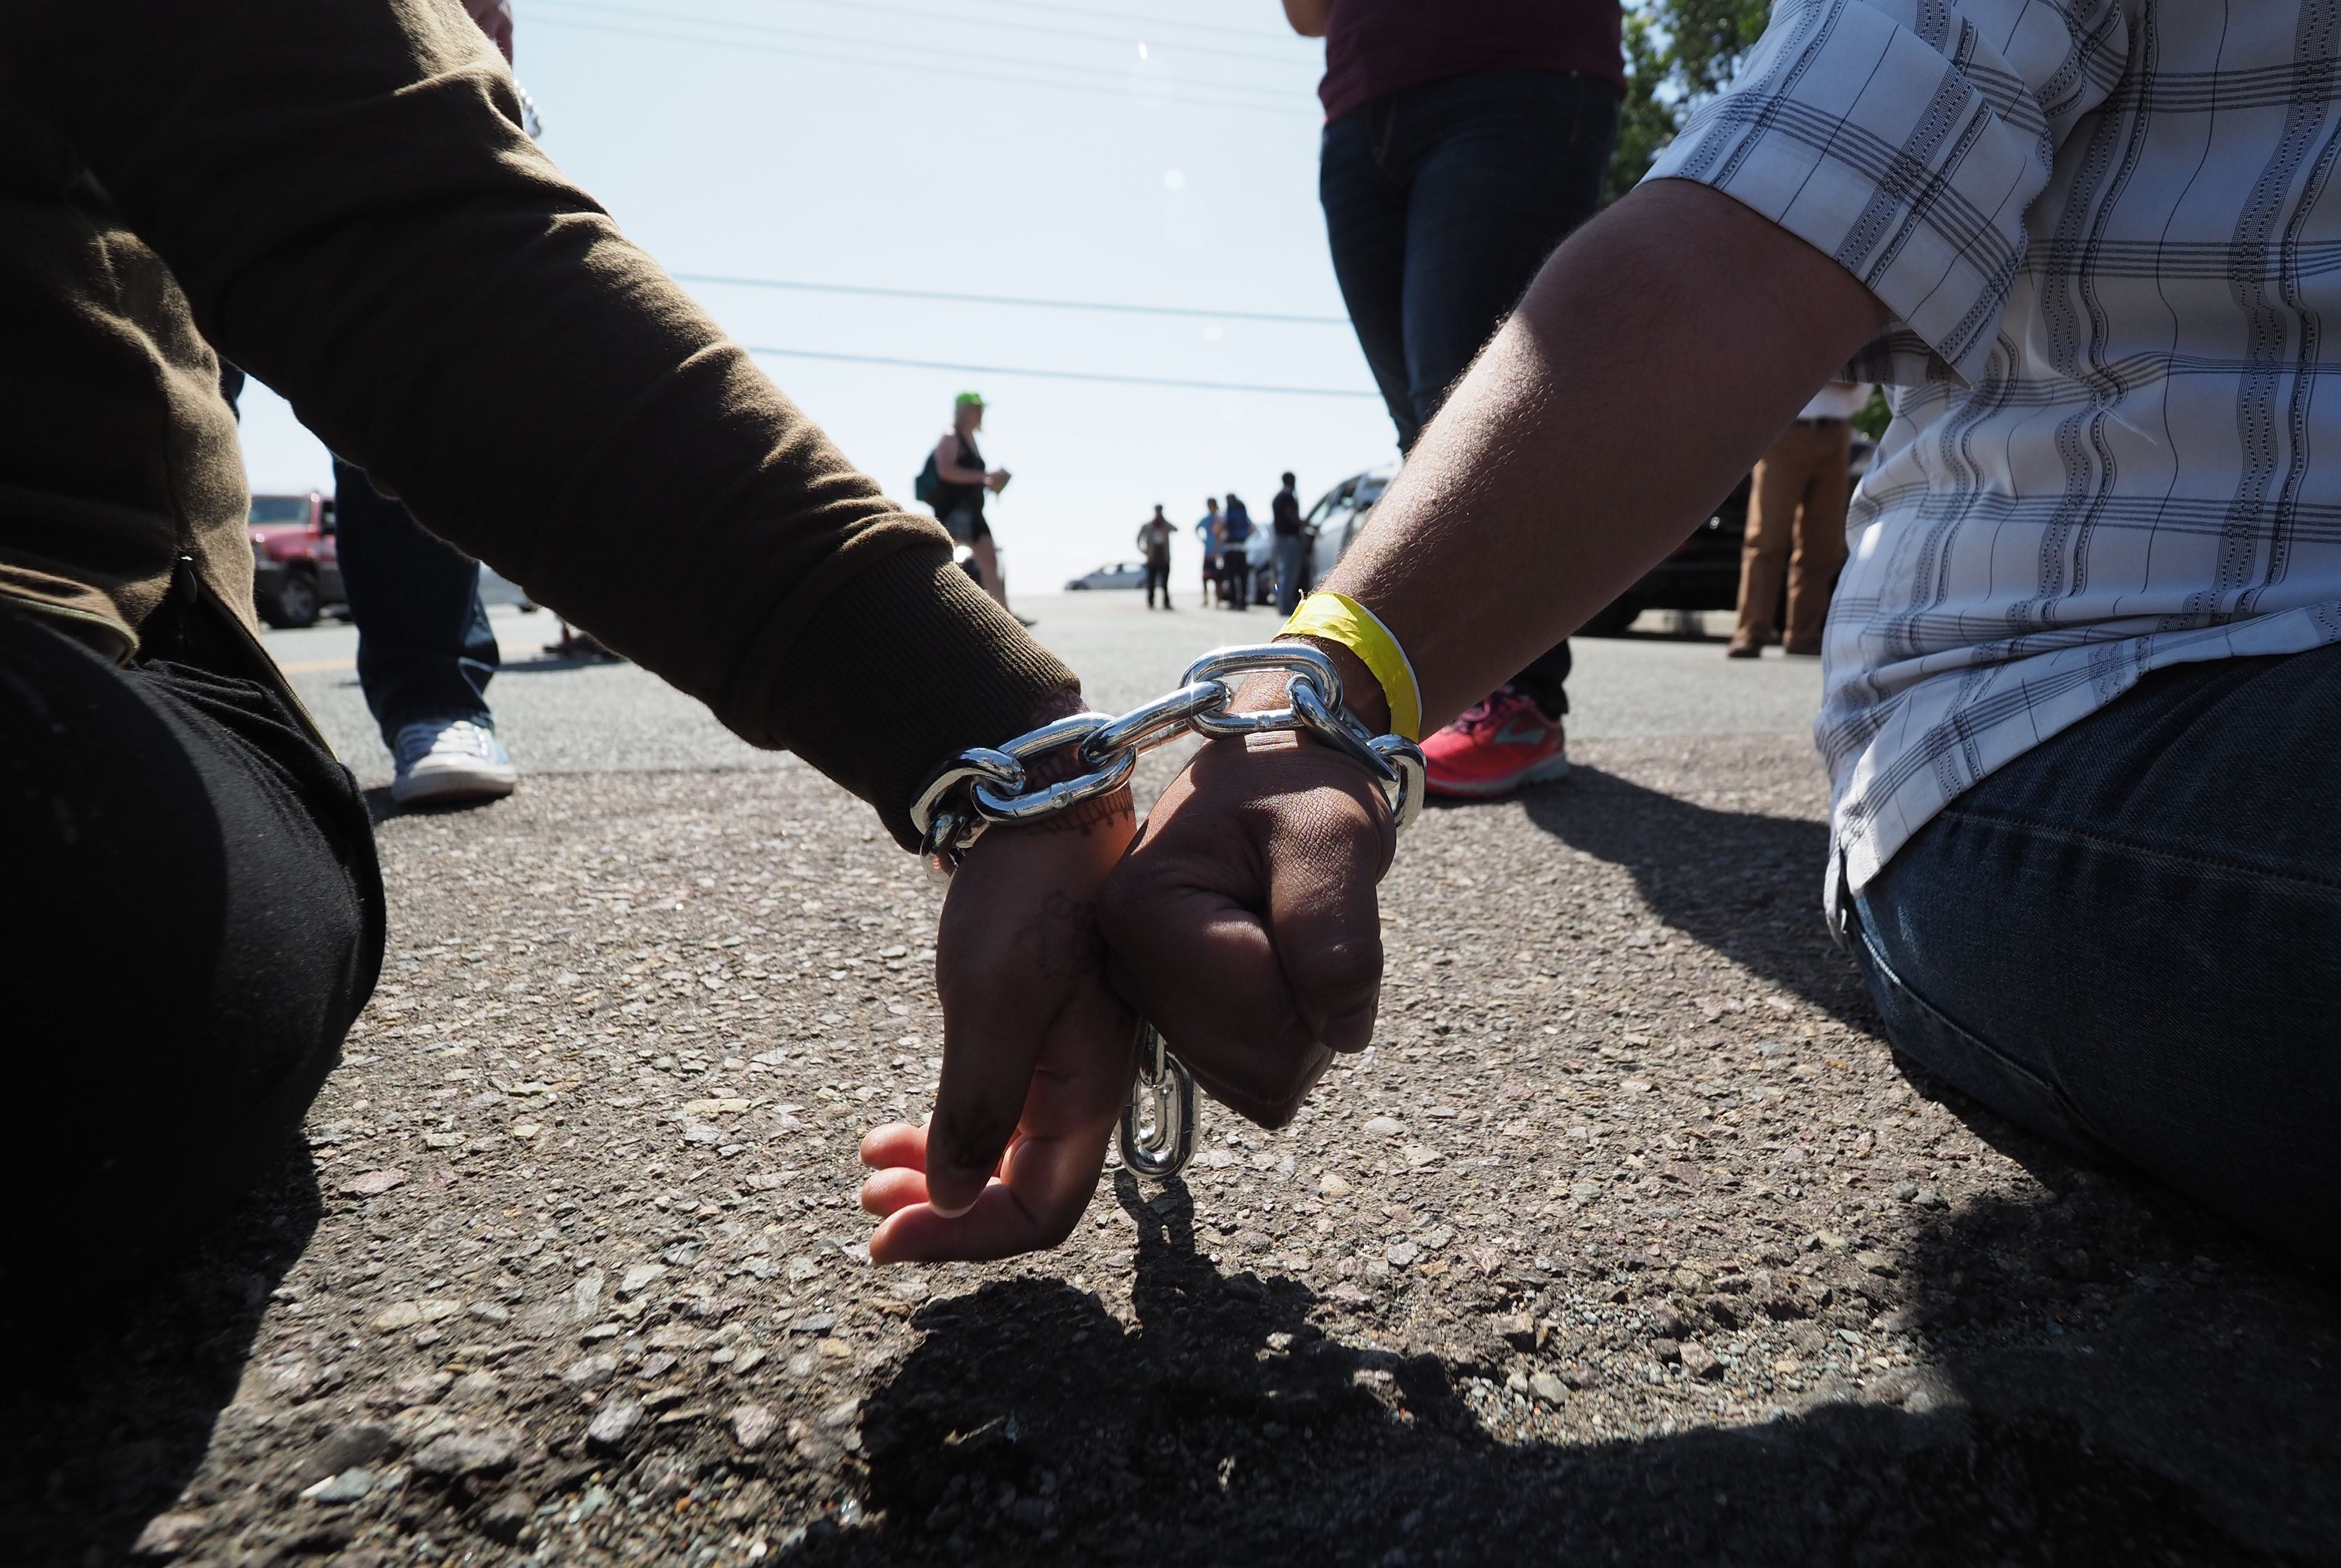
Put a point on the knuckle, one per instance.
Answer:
(1335, 967)
(968, 1137)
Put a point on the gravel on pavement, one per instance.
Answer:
(1628, 1240)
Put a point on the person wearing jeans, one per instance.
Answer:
(1463, 141)
(1292, 546)
(426, 652)
(2081, 680)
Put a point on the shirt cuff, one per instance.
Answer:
(1908, 160)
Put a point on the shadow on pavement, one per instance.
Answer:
(110, 1406)
(1724, 879)
(1224, 1426)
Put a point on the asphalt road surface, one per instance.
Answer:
(1627, 1242)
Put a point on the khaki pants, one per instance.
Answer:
(1795, 526)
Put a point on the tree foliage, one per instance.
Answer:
(1678, 53)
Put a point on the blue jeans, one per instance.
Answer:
(1291, 566)
(1441, 202)
(2128, 939)
(425, 653)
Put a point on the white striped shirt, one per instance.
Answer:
(2105, 230)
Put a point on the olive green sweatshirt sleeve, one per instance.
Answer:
(342, 189)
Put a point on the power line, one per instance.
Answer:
(893, 51)
(1084, 11)
(1056, 31)
(1058, 375)
(1118, 308)
(795, 53)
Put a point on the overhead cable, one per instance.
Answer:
(1058, 30)
(1093, 15)
(1060, 375)
(1026, 301)
(890, 61)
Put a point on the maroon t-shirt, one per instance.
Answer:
(1378, 47)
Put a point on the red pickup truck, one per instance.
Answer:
(296, 570)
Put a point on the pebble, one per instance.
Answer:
(1876, 1263)
(1385, 1126)
(591, 1372)
(1548, 1388)
(508, 1516)
(398, 1315)
(613, 1423)
(360, 1442)
(1332, 1185)
(1418, 1156)
(1403, 1253)
(466, 1453)
(641, 1277)
(167, 1536)
(489, 1312)
(351, 1485)
(585, 1297)
(374, 1184)
(751, 1425)
(1700, 1361)
(419, 1388)
(819, 1323)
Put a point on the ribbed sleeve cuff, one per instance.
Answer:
(903, 667)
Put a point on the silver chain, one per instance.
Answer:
(985, 784)
(989, 784)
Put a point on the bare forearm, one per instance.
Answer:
(1655, 358)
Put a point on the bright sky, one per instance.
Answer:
(1161, 153)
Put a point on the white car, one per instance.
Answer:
(1119, 574)
(1340, 515)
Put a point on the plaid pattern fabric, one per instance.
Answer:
(2103, 229)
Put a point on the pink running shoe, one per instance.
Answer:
(1495, 747)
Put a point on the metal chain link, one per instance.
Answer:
(986, 785)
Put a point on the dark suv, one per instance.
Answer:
(1702, 573)
(296, 569)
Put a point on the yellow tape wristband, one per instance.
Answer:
(1337, 618)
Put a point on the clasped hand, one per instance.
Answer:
(1242, 921)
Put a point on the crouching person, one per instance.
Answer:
(191, 913)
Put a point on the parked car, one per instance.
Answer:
(1338, 515)
(1702, 573)
(1119, 574)
(296, 572)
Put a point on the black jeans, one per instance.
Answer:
(1158, 575)
(190, 916)
(426, 652)
(2128, 939)
(1441, 202)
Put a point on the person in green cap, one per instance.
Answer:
(963, 481)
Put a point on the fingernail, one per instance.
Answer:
(947, 1208)
(1350, 1031)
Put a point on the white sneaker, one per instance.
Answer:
(445, 762)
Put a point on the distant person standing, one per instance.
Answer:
(1235, 554)
(1292, 546)
(1154, 548)
(1795, 524)
(1463, 141)
(955, 487)
(1207, 531)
